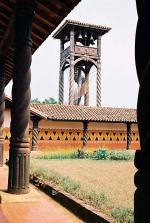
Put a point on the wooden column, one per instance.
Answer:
(71, 79)
(85, 137)
(35, 121)
(19, 155)
(98, 80)
(87, 95)
(142, 157)
(79, 82)
(61, 75)
(2, 108)
(129, 139)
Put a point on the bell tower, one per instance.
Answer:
(80, 49)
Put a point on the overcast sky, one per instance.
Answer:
(119, 81)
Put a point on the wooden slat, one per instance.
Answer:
(6, 5)
(44, 20)
(36, 36)
(40, 29)
(4, 15)
(49, 9)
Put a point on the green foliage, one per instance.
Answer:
(103, 154)
(49, 101)
(46, 101)
(123, 215)
(97, 200)
(66, 183)
(35, 101)
(58, 155)
(121, 155)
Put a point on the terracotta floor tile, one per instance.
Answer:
(45, 210)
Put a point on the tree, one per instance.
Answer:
(49, 101)
(35, 101)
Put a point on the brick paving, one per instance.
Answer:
(43, 210)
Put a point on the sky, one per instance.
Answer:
(119, 80)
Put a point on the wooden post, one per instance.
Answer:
(61, 75)
(71, 79)
(129, 139)
(79, 82)
(85, 138)
(35, 121)
(19, 154)
(2, 108)
(98, 81)
(142, 157)
(87, 95)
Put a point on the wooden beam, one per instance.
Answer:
(4, 15)
(44, 21)
(40, 29)
(7, 38)
(4, 4)
(36, 36)
(50, 9)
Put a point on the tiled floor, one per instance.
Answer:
(44, 210)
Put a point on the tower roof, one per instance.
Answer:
(68, 24)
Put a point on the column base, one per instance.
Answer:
(34, 148)
(18, 181)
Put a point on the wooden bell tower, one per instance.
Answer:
(83, 50)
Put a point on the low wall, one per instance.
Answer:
(53, 139)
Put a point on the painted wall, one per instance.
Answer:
(68, 135)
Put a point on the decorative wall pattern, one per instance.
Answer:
(96, 138)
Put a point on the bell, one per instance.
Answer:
(80, 38)
(92, 40)
(66, 38)
(85, 35)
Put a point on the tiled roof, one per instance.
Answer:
(84, 113)
(33, 111)
(79, 24)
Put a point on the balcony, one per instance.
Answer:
(84, 50)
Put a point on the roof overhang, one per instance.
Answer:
(49, 14)
(68, 24)
(33, 111)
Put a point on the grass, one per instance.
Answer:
(106, 185)
(100, 154)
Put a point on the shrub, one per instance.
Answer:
(122, 214)
(58, 155)
(103, 154)
(66, 183)
(121, 155)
